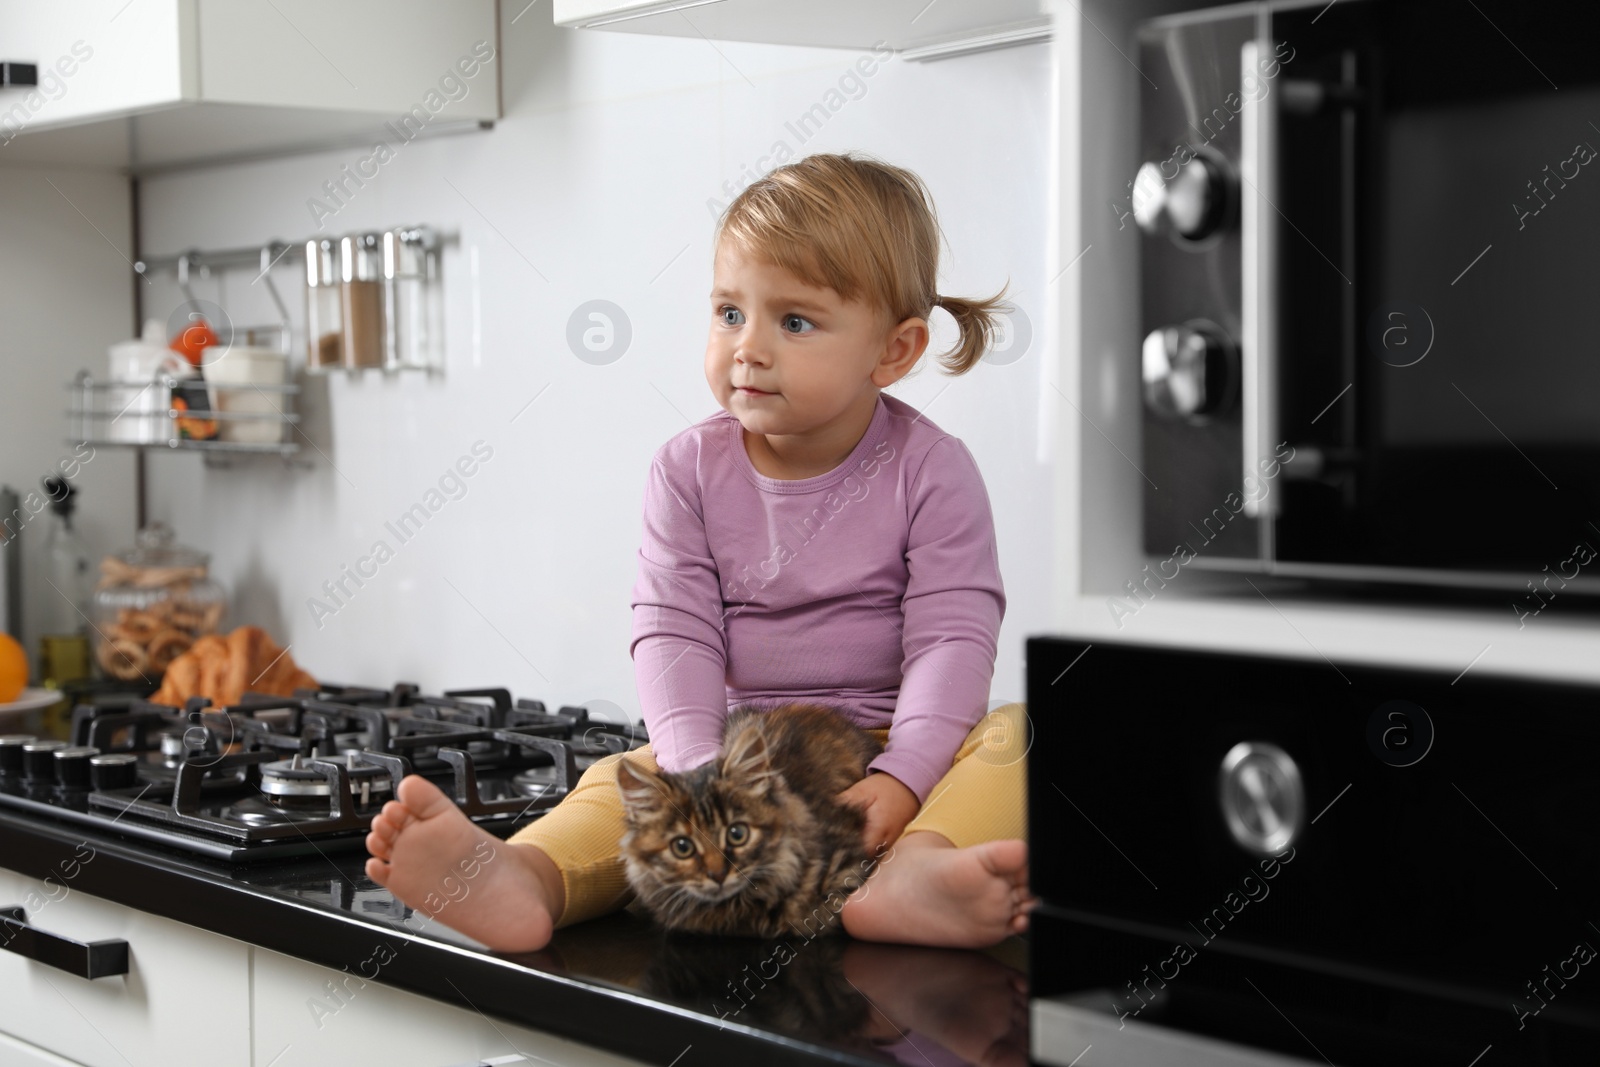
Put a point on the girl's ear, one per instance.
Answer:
(906, 342)
(639, 787)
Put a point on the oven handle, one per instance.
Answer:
(86, 959)
(1258, 348)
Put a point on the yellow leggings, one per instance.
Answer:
(980, 799)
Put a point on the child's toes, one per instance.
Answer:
(395, 814)
(378, 871)
(379, 846)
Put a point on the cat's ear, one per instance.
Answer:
(639, 787)
(748, 760)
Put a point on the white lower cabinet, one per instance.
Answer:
(306, 1015)
(14, 1053)
(184, 1000)
(192, 997)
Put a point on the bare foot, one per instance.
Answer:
(431, 856)
(928, 892)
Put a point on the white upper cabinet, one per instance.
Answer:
(908, 25)
(148, 84)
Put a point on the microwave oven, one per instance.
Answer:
(1370, 292)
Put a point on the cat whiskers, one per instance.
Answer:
(702, 835)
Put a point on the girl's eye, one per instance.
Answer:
(731, 316)
(738, 834)
(682, 847)
(797, 324)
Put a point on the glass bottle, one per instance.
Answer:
(63, 629)
(411, 299)
(324, 314)
(361, 300)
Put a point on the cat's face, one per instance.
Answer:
(710, 833)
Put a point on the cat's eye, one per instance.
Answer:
(738, 834)
(682, 847)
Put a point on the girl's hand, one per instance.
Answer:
(887, 802)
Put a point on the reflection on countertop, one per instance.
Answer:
(876, 1003)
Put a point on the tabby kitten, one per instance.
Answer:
(753, 843)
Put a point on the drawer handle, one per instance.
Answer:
(17, 75)
(86, 959)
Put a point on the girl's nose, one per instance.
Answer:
(748, 351)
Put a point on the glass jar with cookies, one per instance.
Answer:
(152, 603)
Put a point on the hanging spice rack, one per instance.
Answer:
(373, 301)
(385, 288)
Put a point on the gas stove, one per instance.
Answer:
(274, 777)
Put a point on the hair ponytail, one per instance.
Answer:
(864, 229)
(975, 319)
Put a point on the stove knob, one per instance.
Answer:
(1193, 202)
(116, 771)
(38, 760)
(11, 753)
(72, 766)
(1188, 371)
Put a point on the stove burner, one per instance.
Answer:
(179, 745)
(272, 811)
(293, 781)
(535, 781)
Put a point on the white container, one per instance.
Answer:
(243, 381)
(135, 410)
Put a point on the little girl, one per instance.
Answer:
(816, 541)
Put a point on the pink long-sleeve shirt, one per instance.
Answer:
(874, 588)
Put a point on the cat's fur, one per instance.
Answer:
(779, 776)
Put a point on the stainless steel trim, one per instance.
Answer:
(1583, 584)
(1258, 349)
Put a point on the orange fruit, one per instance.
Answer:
(13, 669)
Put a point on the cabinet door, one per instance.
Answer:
(184, 1000)
(96, 59)
(383, 56)
(306, 1015)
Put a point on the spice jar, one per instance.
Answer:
(411, 299)
(152, 603)
(361, 300)
(324, 316)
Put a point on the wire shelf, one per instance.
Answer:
(240, 418)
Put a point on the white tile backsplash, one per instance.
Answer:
(593, 186)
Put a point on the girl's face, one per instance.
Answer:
(788, 358)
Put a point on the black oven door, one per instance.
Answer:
(1434, 245)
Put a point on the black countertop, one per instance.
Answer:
(616, 983)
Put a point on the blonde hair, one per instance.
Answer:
(864, 229)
